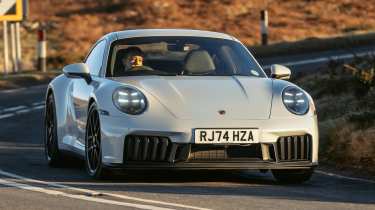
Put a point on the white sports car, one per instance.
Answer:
(179, 99)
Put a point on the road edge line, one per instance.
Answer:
(94, 193)
(79, 197)
(345, 177)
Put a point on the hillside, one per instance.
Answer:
(77, 23)
(344, 95)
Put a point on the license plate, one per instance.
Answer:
(226, 136)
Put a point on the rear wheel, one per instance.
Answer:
(53, 155)
(293, 176)
(93, 158)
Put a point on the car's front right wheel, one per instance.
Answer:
(292, 176)
(93, 157)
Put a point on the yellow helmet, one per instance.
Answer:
(136, 61)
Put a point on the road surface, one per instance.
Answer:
(26, 182)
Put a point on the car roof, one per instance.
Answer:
(170, 32)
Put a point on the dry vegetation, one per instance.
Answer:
(345, 101)
(79, 22)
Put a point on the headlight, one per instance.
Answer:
(129, 100)
(295, 100)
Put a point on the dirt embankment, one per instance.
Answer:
(345, 99)
(78, 23)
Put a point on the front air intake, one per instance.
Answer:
(152, 148)
(293, 148)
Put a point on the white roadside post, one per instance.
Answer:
(264, 26)
(42, 49)
(5, 37)
(18, 47)
(13, 47)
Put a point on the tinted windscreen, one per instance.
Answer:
(190, 56)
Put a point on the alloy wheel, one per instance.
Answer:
(50, 139)
(93, 152)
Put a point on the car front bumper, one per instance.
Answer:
(180, 132)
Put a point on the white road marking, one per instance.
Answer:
(12, 109)
(155, 202)
(320, 60)
(38, 107)
(345, 177)
(23, 89)
(6, 115)
(80, 197)
(38, 103)
(23, 111)
(95, 193)
(20, 148)
(16, 110)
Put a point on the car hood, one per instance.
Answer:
(219, 97)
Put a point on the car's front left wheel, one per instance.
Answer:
(93, 157)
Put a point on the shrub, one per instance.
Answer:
(345, 99)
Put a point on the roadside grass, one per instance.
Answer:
(27, 79)
(343, 42)
(344, 95)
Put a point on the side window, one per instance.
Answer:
(95, 58)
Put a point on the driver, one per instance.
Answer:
(133, 60)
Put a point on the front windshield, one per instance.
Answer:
(188, 56)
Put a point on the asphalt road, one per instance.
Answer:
(26, 182)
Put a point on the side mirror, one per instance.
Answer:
(280, 72)
(78, 70)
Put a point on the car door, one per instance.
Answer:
(81, 91)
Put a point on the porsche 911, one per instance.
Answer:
(174, 99)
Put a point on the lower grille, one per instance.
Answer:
(153, 148)
(208, 154)
(291, 148)
(230, 152)
(160, 149)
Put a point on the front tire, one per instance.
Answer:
(93, 157)
(293, 176)
(52, 152)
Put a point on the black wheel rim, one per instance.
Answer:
(93, 142)
(50, 129)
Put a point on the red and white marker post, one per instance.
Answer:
(42, 49)
(264, 26)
